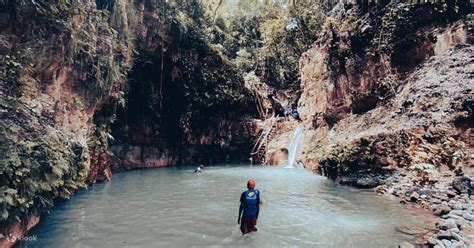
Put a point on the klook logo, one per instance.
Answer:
(14, 238)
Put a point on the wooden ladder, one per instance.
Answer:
(260, 148)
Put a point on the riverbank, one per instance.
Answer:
(449, 198)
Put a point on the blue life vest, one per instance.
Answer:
(250, 206)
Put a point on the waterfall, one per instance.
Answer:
(294, 145)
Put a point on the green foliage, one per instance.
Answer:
(200, 86)
(91, 46)
(285, 38)
(36, 171)
(11, 74)
(268, 37)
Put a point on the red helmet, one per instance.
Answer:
(251, 184)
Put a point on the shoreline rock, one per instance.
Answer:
(453, 209)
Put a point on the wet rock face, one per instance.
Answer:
(184, 98)
(227, 145)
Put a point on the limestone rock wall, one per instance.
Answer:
(386, 91)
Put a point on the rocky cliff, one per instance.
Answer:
(185, 104)
(379, 74)
(364, 79)
(387, 100)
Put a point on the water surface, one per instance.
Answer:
(174, 207)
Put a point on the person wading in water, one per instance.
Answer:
(249, 206)
(199, 168)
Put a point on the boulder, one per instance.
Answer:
(451, 193)
(468, 206)
(454, 230)
(461, 222)
(367, 182)
(446, 242)
(448, 224)
(414, 197)
(452, 216)
(457, 206)
(456, 212)
(457, 236)
(462, 185)
(458, 245)
(347, 180)
(432, 241)
(442, 210)
(468, 216)
(444, 235)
